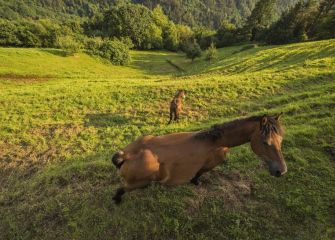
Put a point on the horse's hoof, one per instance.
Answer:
(196, 182)
(117, 200)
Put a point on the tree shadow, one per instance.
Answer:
(57, 52)
(105, 120)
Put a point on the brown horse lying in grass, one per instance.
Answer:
(176, 105)
(183, 157)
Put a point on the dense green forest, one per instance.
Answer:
(209, 13)
(110, 28)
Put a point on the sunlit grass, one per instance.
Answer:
(62, 118)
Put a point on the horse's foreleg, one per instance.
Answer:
(176, 115)
(118, 195)
(195, 179)
(218, 156)
(171, 116)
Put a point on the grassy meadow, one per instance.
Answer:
(62, 118)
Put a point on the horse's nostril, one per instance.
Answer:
(278, 173)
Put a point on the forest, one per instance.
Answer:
(208, 13)
(109, 29)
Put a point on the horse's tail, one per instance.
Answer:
(117, 159)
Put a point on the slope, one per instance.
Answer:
(63, 117)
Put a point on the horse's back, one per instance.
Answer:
(173, 158)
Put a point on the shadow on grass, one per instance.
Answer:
(57, 52)
(105, 120)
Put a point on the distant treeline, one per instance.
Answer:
(307, 20)
(127, 25)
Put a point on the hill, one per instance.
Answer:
(193, 13)
(63, 117)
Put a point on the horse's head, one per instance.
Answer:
(181, 93)
(266, 143)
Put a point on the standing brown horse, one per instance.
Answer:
(176, 105)
(179, 158)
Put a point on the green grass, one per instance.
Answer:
(63, 117)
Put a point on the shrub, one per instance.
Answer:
(211, 53)
(92, 46)
(115, 51)
(69, 45)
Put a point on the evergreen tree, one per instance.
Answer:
(260, 18)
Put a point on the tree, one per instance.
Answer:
(133, 21)
(326, 26)
(193, 51)
(171, 37)
(185, 36)
(293, 25)
(226, 34)
(8, 36)
(204, 36)
(260, 18)
(169, 31)
(321, 26)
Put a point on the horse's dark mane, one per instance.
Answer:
(217, 130)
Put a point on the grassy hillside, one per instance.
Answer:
(63, 117)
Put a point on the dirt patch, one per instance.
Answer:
(231, 187)
(50, 131)
(13, 156)
(25, 78)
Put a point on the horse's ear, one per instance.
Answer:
(279, 116)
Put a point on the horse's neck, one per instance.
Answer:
(177, 98)
(239, 134)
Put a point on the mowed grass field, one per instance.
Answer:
(62, 118)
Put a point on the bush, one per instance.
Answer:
(69, 45)
(115, 51)
(92, 46)
(8, 35)
(211, 53)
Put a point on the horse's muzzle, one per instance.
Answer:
(276, 169)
